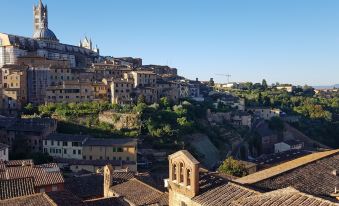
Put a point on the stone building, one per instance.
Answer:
(70, 91)
(44, 43)
(14, 87)
(110, 149)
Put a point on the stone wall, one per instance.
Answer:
(120, 120)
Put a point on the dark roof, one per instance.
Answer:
(60, 198)
(16, 187)
(272, 159)
(111, 201)
(139, 193)
(86, 187)
(91, 186)
(65, 198)
(292, 142)
(110, 142)
(312, 174)
(67, 137)
(224, 195)
(284, 197)
(92, 162)
(3, 146)
(39, 199)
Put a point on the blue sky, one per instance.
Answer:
(281, 40)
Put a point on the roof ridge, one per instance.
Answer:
(285, 167)
(49, 199)
(242, 187)
(149, 186)
(287, 190)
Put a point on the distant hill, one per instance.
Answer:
(326, 87)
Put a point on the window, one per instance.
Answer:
(45, 142)
(52, 142)
(114, 149)
(45, 150)
(120, 149)
(75, 144)
(127, 158)
(188, 174)
(79, 152)
(119, 158)
(181, 172)
(64, 144)
(101, 157)
(90, 157)
(65, 151)
(183, 204)
(54, 188)
(74, 152)
(84, 157)
(174, 172)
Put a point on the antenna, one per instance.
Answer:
(225, 75)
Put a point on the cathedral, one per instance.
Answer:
(45, 43)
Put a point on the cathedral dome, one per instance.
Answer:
(45, 34)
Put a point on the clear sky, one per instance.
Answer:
(295, 41)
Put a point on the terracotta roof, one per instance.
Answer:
(107, 202)
(65, 198)
(273, 171)
(16, 187)
(86, 187)
(312, 174)
(39, 199)
(224, 195)
(62, 198)
(92, 162)
(284, 197)
(91, 186)
(46, 174)
(139, 193)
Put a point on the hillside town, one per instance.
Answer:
(81, 128)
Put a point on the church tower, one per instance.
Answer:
(183, 182)
(41, 31)
(40, 16)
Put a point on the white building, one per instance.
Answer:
(3, 152)
(265, 113)
(64, 145)
(287, 145)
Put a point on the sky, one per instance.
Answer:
(285, 41)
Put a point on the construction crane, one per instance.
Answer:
(225, 75)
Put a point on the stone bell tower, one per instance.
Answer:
(108, 170)
(40, 13)
(183, 183)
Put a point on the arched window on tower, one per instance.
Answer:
(188, 175)
(181, 172)
(174, 172)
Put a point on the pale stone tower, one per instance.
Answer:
(108, 170)
(40, 16)
(183, 183)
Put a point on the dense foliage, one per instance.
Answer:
(233, 167)
(318, 114)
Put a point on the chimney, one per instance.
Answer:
(108, 170)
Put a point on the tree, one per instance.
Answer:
(233, 167)
(29, 108)
(164, 103)
(141, 99)
(264, 84)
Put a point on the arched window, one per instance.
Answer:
(174, 172)
(181, 172)
(188, 175)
